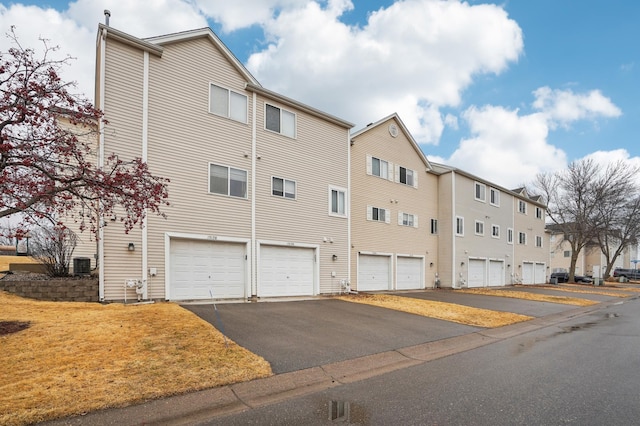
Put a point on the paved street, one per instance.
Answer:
(585, 371)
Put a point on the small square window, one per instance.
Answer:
(280, 121)
(406, 176)
(379, 168)
(378, 214)
(283, 188)
(227, 181)
(407, 219)
(495, 231)
(227, 103)
(567, 253)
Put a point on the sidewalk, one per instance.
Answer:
(208, 404)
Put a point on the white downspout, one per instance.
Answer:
(254, 154)
(101, 88)
(145, 147)
(454, 229)
(349, 208)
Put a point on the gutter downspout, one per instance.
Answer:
(254, 154)
(145, 149)
(349, 211)
(101, 221)
(454, 229)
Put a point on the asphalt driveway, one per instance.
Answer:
(303, 334)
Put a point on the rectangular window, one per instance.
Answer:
(378, 214)
(480, 192)
(509, 236)
(434, 226)
(459, 225)
(522, 207)
(283, 188)
(227, 103)
(479, 227)
(522, 238)
(567, 253)
(494, 197)
(495, 231)
(280, 121)
(538, 213)
(408, 220)
(538, 241)
(379, 168)
(406, 176)
(227, 181)
(337, 201)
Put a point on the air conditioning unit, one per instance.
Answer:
(81, 266)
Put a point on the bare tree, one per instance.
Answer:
(53, 247)
(583, 200)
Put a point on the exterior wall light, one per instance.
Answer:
(131, 247)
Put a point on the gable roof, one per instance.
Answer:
(154, 45)
(404, 130)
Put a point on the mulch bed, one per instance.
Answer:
(8, 327)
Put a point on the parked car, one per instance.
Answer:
(563, 277)
(632, 274)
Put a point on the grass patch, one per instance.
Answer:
(586, 290)
(78, 357)
(565, 300)
(441, 310)
(5, 261)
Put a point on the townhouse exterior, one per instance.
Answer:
(488, 235)
(272, 198)
(394, 241)
(259, 183)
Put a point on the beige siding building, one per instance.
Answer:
(259, 182)
(478, 245)
(394, 210)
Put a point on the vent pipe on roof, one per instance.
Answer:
(107, 15)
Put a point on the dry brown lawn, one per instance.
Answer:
(565, 300)
(586, 290)
(6, 260)
(445, 311)
(77, 357)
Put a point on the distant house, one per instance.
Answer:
(394, 210)
(259, 186)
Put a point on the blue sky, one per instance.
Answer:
(503, 90)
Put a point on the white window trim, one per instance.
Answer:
(524, 204)
(475, 228)
(510, 235)
(434, 227)
(495, 227)
(387, 214)
(228, 194)
(211, 83)
(401, 219)
(461, 219)
(525, 238)
(539, 213)
(346, 201)
(539, 238)
(284, 181)
(484, 191)
(497, 192)
(295, 121)
(390, 169)
(413, 174)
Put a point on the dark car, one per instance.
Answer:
(632, 274)
(563, 277)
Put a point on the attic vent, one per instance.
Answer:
(393, 130)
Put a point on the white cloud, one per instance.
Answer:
(563, 106)
(505, 147)
(412, 58)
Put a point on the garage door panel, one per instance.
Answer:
(496, 273)
(540, 273)
(477, 273)
(373, 272)
(286, 271)
(527, 272)
(409, 273)
(200, 269)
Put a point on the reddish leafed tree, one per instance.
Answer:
(48, 151)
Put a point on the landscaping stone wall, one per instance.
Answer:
(57, 290)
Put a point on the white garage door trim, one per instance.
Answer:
(374, 272)
(496, 272)
(409, 272)
(527, 272)
(218, 284)
(540, 273)
(477, 273)
(287, 269)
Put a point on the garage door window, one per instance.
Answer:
(227, 181)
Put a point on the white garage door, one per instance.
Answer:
(409, 271)
(496, 272)
(527, 272)
(540, 273)
(373, 272)
(200, 269)
(476, 273)
(286, 271)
